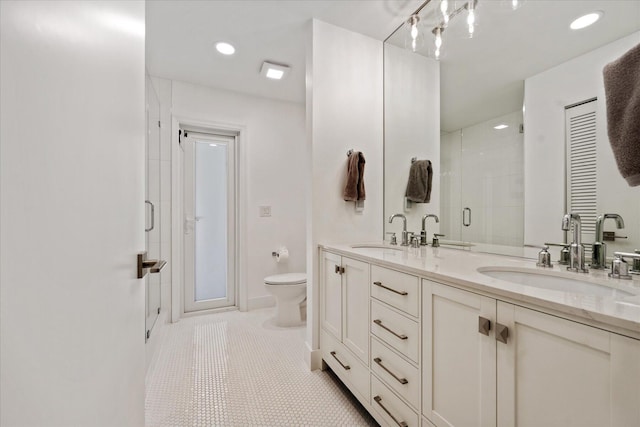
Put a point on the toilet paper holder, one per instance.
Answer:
(280, 254)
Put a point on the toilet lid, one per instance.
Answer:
(286, 279)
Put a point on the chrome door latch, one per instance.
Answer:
(153, 265)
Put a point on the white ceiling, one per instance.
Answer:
(483, 77)
(181, 36)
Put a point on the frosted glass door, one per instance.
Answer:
(209, 222)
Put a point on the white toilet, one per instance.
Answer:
(290, 290)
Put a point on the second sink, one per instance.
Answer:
(551, 281)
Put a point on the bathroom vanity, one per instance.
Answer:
(447, 337)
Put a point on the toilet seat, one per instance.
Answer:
(286, 279)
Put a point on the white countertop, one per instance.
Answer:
(620, 311)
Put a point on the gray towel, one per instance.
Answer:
(622, 90)
(354, 188)
(419, 184)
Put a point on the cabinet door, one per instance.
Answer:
(355, 314)
(331, 298)
(555, 372)
(459, 362)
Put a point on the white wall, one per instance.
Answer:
(344, 111)
(412, 129)
(72, 213)
(274, 152)
(546, 95)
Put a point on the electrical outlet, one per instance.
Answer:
(265, 210)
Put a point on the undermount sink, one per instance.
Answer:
(549, 280)
(376, 246)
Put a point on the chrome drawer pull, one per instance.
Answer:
(346, 367)
(378, 400)
(400, 380)
(379, 323)
(389, 289)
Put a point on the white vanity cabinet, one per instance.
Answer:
(344, 308)
(491, 363)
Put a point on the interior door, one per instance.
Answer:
(152, 203)
(72, 220)
(209, 209)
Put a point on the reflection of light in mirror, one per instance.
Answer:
(471, 18)
(213, 145)
(500, 127)
(586, 20)
(444, 8)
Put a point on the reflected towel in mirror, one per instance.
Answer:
(622, 90)
(419, 184)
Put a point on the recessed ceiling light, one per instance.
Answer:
(586, 20)
(499, 127)
(225, 48)
(274, 71)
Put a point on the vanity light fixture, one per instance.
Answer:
(415, 38)
(471, 17)
(274, 71)
(225, 48)
(438, 33)
(586, 20)
(444, 8)
(501, 126)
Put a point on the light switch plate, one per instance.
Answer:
(265, 210)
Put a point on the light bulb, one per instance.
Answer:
(471, 20)
(414, 31)
(444, 8)
(438, 38)
(438, 53)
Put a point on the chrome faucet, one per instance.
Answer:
(576, 250)
(405, 241)
(423, 233)
(599, 248)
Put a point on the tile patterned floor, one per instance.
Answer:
(238, 369)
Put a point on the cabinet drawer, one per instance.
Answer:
(399, 290)
(400, 375)
(396, 330)
(389, 407)
(346, 366)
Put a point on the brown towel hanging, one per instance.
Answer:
(622, 91)
(419, 183)
(354, 187)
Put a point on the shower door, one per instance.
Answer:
(209, 228)
(152, 204)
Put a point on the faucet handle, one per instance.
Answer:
(619, 268)
(436, 241)
(394, 239)
(544, 258)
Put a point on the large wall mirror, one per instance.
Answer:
(495, 114)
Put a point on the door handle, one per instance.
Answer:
(153, 265)
(153, 215)
(466, 221)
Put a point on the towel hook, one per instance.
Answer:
(414, 159)
(350, 152)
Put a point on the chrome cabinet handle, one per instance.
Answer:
(346, 367)
(379, 323)
(466, 223)
(502, 333)
(400, 380)
(339, 269)
(484, 325)
(378, 400)
(153, 216)
(389, 289)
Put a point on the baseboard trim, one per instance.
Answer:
(261, 302)
(314, 358)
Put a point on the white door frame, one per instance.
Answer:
(177, 214)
